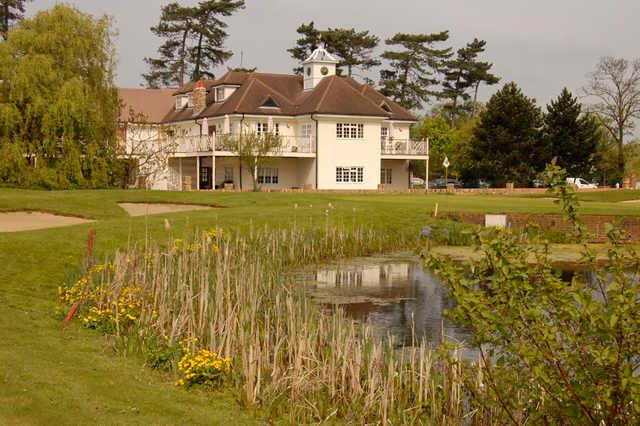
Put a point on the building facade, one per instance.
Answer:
(335, 133)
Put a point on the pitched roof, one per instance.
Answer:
(333, 95)
(152, 103)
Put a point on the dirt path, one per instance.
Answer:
(145, 209)
(29, 221)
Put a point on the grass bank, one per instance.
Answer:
(52, 375)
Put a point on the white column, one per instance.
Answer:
(226, 126)
(426, 176)
(213, 171)
(180, 185)
(198, 173)
(270, 124)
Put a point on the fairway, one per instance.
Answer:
(53, 375)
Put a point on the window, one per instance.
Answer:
(219, 94)
(182, 102)
(277, 129)
(385, 176)
(228, 174)
(349, 131)
(268, 175)
(269, 103)
(262, 128)
(350, 174)
(306, 130)
(384, 133)
(212, 130)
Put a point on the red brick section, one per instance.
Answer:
(556, 223)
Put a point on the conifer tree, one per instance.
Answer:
(571, 136)
(463, 73)
(11, 11)
(194, 42)
(414, 70)
(505, 146)
(354, 49)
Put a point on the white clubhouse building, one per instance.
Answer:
(337, 134)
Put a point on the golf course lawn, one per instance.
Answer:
(50, 374)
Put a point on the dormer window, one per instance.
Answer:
(183, 101)
(385, 106)
(269, 103)
(220, 94)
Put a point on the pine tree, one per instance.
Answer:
(354, 49)
(571, 136)
(194, 42)
(506, 144)
(414, 69)
(463, 73)
(11, 11)
(305, 44)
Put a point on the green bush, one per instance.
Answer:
(551, 352)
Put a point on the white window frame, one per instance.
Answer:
(268, 176)
(218, 91)
(262, 128)
(386, 176)
(306, 130)
(350, 174)
(349, 130)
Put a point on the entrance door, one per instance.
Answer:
(206, 178)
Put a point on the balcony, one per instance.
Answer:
(403, 147)
(200, 144)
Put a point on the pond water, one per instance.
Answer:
(395, 293)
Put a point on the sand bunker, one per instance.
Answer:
(145, 209)
(29, 221)
(631, 202)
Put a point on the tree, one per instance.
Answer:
(194, 42)
(551, 351)
(145, 149)
(506, 142)
(58, 103)
(253, 150)
(11, 11)
(413, 70)
(466, 72)
(354, 49)
(571, 136)
(615, 86)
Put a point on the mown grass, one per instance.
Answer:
(51, 375)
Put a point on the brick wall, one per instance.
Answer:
(555, 223)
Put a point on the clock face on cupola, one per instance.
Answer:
(318, 65)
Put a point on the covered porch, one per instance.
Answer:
(209, 172)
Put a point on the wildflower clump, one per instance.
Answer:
(110, 309)
(202, 367)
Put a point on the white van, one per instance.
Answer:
(581, 183)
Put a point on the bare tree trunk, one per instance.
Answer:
(621, 151)
(475, 100)
(183, 57)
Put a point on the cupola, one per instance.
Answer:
(318, 65)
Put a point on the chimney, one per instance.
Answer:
(199, 97)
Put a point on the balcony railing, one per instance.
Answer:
(390, 146)
(194, 144)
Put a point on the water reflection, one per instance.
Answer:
(393, 294)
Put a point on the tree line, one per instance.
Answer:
(59, 107)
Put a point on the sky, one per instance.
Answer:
(542, 45)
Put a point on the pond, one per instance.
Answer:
(394, 293)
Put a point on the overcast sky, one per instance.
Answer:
(542, 45)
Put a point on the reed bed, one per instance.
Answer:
(232, 296)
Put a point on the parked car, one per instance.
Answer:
(440, 183)
(477, 184)
(581, 183)
(416, 182)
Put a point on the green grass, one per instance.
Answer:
(53, 375)
(612, 196)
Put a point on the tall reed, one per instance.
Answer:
(233, 296)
